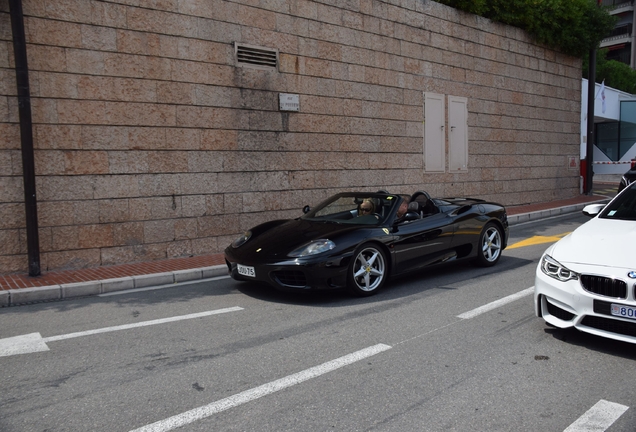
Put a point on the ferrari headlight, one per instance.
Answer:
(556, 270)
(242, 239)
(313, 248)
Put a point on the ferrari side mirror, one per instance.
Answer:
(306, 209)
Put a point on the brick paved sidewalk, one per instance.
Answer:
(19, 280)
(59, 279)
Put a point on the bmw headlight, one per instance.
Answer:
(242, 239)
(313, 248)
(556, 270)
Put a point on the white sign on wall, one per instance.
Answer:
(289, 102)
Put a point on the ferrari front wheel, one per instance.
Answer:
(368, 270)
(490, 245)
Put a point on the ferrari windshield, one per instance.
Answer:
(623, 207)
(354, 208)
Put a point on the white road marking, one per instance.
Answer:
(598, 418)
(142, 324)
(180, 284)
(497, 303)
(22, 344)
(258, 392)
(34, 342)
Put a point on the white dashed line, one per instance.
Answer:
(598, 418)
(497, 303)
(258, 392)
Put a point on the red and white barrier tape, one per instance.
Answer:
(613, 163)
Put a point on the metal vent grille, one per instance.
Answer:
(291, 278)
(256, 57)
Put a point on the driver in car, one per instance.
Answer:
(399, 216)
(408, 212)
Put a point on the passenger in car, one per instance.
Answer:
(367, 207)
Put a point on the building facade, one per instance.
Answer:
(165, 128)
(615, 129)
(620, 43)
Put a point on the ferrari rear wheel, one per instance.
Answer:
(368, 270)
(490, 244)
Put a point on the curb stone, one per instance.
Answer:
(15, 297)
(29, 295)
(117, 284)
(4, 298)
(81, 289)
(543, 214)
(149, 280)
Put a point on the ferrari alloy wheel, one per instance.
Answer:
(368, 270)
(490, 244)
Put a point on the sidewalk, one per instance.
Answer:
(18, 289)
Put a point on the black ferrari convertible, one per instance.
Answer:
(357, 240)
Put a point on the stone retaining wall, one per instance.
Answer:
(152, 143)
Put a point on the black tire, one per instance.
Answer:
(368, 270)
(490, 246)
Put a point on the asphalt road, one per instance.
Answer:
(422, 355)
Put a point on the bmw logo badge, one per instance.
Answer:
(632, 274)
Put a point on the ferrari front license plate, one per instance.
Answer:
(245, 270)
(623, 311)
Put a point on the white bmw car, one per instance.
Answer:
(587, 280)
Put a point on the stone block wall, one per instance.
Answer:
(151, 142)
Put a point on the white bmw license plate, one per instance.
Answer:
(245, 270)
(623, 311)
